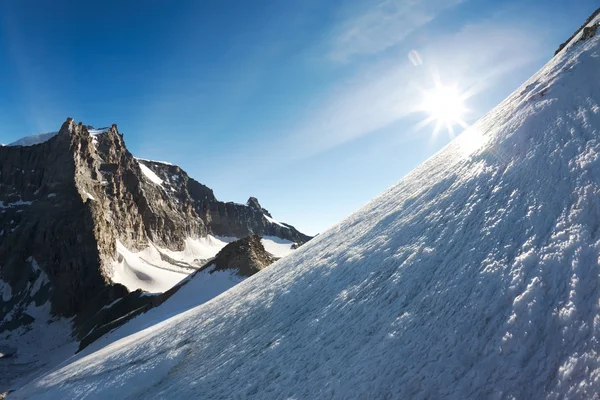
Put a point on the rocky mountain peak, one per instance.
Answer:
(77, 209)
(253, 202)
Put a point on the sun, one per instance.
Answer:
(446, 106)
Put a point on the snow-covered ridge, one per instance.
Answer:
(33, 139)
(154, 161)
(274, 221)
(151, 175)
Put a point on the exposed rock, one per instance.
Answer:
(589, 32)
(221, 218)
(65, 202)
(247, 256)
(584, 26)
(253, 203)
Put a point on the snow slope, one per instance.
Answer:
(476, 276)
(30, 349)
(152, 177)
(276, 246)
(151, 271)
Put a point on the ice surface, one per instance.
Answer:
(148, 270)
(144, 270)
(148, 173)
(273, 221)
(277, 246)
(476, 276)
(199, 250)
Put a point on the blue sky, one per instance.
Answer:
(307, 105)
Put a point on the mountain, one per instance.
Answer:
(476, 276)
(83, 223)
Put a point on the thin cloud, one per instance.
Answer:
(475, 58)
(377, 28)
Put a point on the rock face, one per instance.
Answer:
(222, 218)
(64, 204)
(247, 256)
(588, 32)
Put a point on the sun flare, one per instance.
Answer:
(445, 105)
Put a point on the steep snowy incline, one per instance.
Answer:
(476, 276)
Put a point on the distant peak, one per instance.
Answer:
(67, 126)
(253, 203)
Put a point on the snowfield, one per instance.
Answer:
(476, 276)
(152, 177)
(150, 271)
(277, 247)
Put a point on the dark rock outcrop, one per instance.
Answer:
(246, 256)
(222, 218)
(588, 31)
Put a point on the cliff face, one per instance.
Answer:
(66, 203)
(222, 218)
(45, 222)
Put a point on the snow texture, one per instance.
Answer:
(276, 246)
(152, 177)
(273, 221)
(149, 270)
(476, 276)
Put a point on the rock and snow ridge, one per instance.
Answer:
(85, 209)
(476, 276)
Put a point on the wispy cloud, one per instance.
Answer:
(475, 58)
(374, 28)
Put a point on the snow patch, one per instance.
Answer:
(15, 204)
(144, 270)
(273, 221)
(5, 290)
(276, 246)
(151, 271)
(199, 250)
(89, 196)
(148, 173)
(154, 161)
